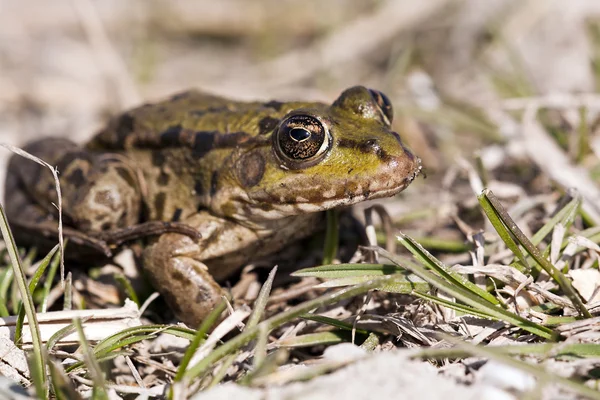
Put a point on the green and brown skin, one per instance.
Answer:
(249, 177)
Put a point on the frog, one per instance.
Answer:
(210, 183)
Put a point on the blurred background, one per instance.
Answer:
(466, 77)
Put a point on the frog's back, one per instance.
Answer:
(164, 123)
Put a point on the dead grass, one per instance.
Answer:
(489, 94)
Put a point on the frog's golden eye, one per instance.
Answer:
(384, 104)
(301, 141)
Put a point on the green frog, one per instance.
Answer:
(215, 183)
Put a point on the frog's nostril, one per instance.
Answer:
(371, 146)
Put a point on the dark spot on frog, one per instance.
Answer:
(75, 177)
(180, 96)
(159, 204)
(267, 124)
(170, 136)
(125, 124)
(275, 105)
(177, 215)
(78, 157)
(178, 276)
(200, 113)
(202, 296)
(204, 142)
(163, 179)
(262, 206)
(123, 219)
(250, 169)
(198, 187)
(158, 158)
(214, 183)
(368, 146)
(127, 176)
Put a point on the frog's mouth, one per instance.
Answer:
(317, 196)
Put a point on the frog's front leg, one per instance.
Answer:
(185, 271)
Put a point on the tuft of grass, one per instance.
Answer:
(508, 229)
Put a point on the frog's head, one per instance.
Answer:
(323, 156)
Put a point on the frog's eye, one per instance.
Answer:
(301, 141)
(384, 104)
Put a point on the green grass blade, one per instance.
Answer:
(43, 307)
(348, 270)
(113, 340)
(566, 216)
(32, 286)
(5, 284)
(333, 322)
(59, 334)
(68, 296)
(503, 232)
(330, 249)
(261, 301)
(199, 338)
(454, 306)
(317, 339)
(99, 390)
(37, 365)
(403, 284)
(61, 384)
(128, 288)
(471, 299)
(442, 270)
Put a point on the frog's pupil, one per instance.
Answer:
(299, 134)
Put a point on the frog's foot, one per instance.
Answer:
(183, 280)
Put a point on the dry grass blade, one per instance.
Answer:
(54, 171)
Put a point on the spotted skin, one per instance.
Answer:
(250, 177)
